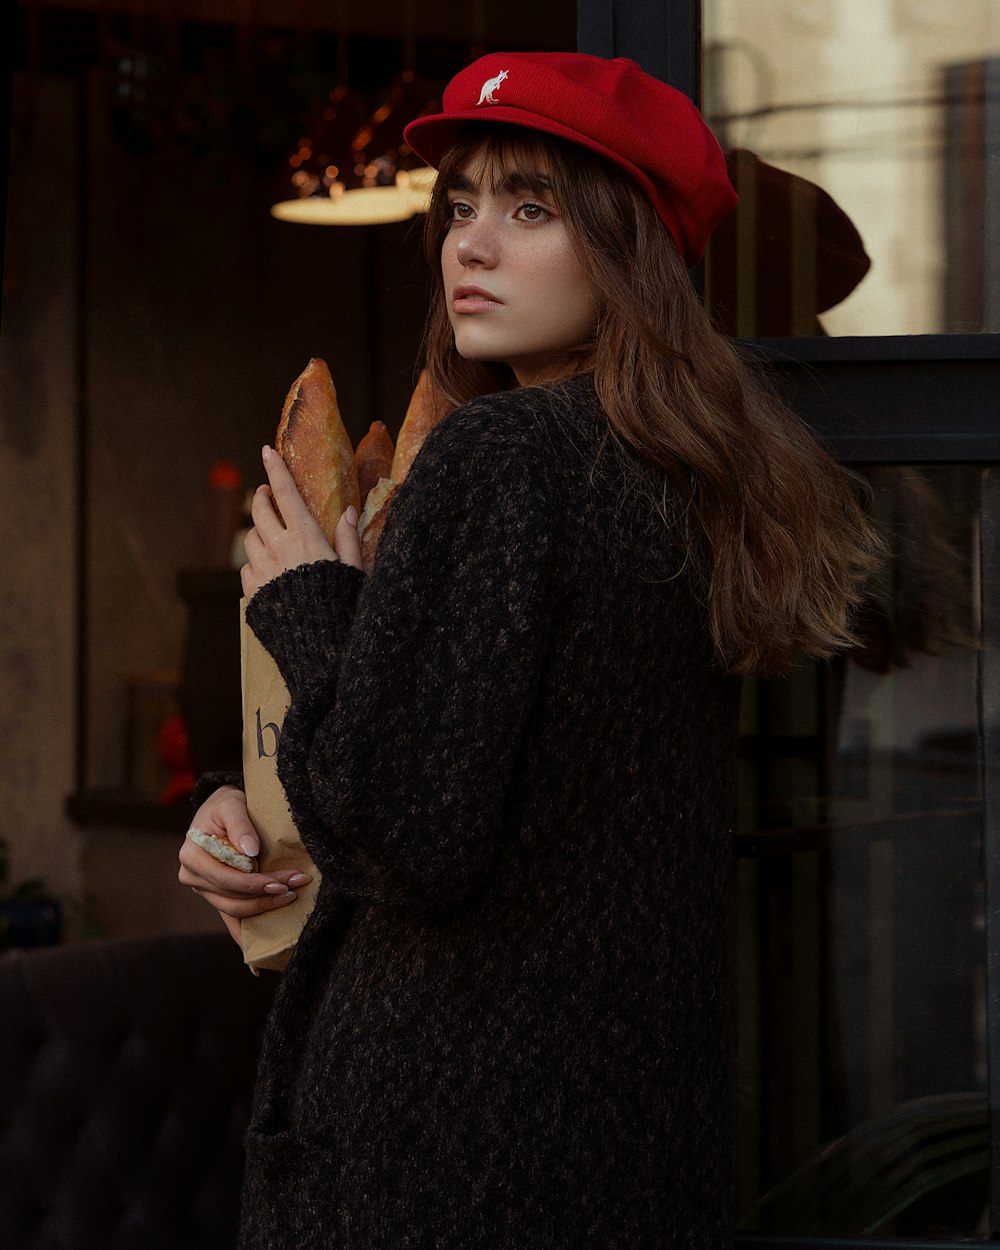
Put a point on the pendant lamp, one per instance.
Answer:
(322, 169)
(350, 174)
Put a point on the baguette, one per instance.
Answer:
(373, 519)
(427, 407)
(314, 444)
(373, 458)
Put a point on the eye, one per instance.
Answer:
(460, 211)
(532, 212)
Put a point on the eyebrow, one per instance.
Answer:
(512, 182)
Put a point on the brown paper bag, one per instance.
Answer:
(268, 939)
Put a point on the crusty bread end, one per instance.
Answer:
(222, 850)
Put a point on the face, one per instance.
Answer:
(515, 289)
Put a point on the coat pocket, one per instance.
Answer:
(292, 1194)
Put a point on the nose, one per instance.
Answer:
(478, 244)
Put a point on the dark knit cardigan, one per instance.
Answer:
(509, 752)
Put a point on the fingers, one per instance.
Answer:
(204, 873)
(282, 496)
(260, 567)
(285, 533)
(231, 819)
(235, 895)
(264, 540)
(346, 542)
(286, 496)
(224, 813)
(241, 904)
(243, 909)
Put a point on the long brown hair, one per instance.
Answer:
(785, 538)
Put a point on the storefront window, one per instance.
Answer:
(864, 140)
(862, 957)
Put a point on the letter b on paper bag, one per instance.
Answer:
(268, 939)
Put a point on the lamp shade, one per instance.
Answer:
(367, 206)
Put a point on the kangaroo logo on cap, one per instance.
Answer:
(486, 96)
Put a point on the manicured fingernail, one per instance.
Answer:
(249, 846)
(298, 880)
(266, 453)
(275, 887)
(352, 514)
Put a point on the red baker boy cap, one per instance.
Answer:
(651, 131)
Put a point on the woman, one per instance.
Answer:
(510, 747)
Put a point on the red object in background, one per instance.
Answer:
(175, 753)
(225, 476)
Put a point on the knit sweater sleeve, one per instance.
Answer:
(401, 738)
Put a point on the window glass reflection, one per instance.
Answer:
(861, 961)
(864, 140)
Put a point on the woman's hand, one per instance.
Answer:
(232, 893)
(285, 533)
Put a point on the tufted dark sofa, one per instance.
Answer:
(125, 1077)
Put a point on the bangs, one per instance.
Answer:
(505, 159)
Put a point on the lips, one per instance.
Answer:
(473, 299)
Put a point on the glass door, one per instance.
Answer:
(861, 974)
(863, 143)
